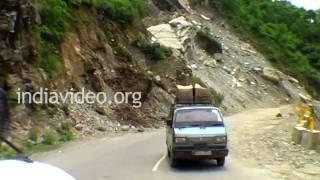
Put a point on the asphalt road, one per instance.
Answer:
(141, 156)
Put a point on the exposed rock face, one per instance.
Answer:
(210, 63)
(16, 21)
(177, 34)
(165, 35)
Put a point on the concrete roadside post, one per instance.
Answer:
(298, 130)
(310, 136)
(310, 139)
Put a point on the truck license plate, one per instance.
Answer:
(201, 153)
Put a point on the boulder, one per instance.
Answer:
(218, 57)
(125, 128)
(194, 66)
(140, 129)
(311, 169)
(271, 75)
(228, 70)
(102, 128)
(293, 80)
(157, 78)
(205, 17)
(210, 63)
(79, 127)
(180, 21)
(257, 69)
(165, 35)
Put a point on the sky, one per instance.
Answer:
(307, 4)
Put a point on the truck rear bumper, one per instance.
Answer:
(200, 154)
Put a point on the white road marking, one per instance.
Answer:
(155, 167)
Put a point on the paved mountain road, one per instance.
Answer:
(139, 156)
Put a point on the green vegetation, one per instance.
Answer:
(54, 24)
(38, 141)
(287, 35)
(217, 98)
(49, 138)
(197, 80)
(155, 50)
(6, 152)
(55, 21)
(208, 41)
(65, 133)
(123, 11)
(34, 135)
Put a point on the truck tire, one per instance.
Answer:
(220, 161)
(172, 160)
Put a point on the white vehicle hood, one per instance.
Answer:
(20, 170)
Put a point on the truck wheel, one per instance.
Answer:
(220, 161)
(173, 161)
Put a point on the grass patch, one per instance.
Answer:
(122, 11)
(208, 42)
(156, 51)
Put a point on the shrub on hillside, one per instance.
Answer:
(49, 138)
(54, 19)
(155, 50)
(208, 41)
(123, 11)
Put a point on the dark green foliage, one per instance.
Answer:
(217, 98)
(123, 11)
(47, 57)
(54, 19)
(6, 152)
(54, 24)
(65, 132)
(208, 42)
(287, 35)
(49, 138)
(78, 3)
(155, 50)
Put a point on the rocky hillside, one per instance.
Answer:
(172, 44)
(96, 53)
